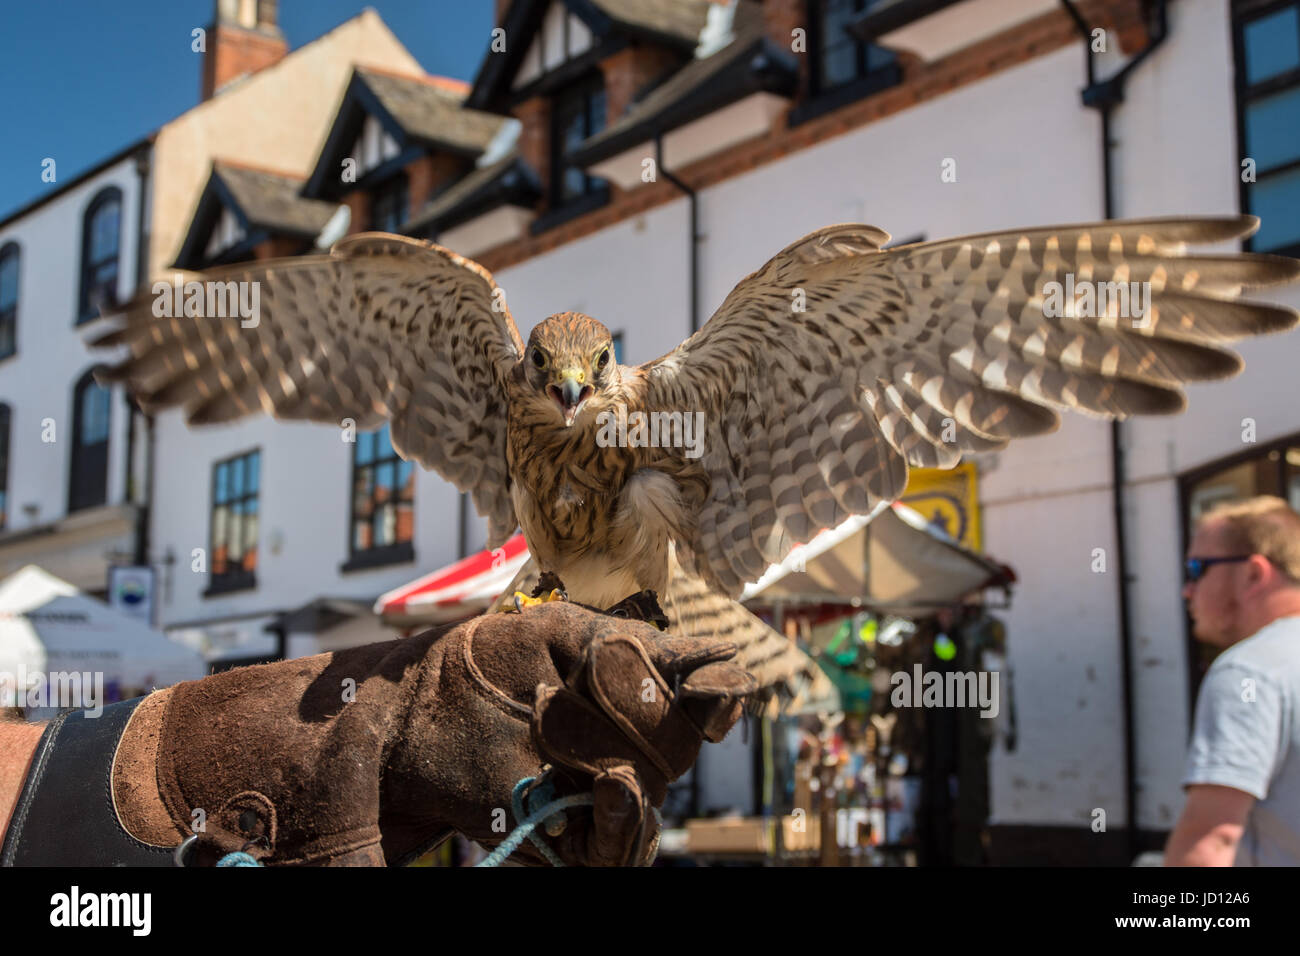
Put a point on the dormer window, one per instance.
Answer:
(577, 113)
(373, 147)
(840, 58)
(226, 234)
(388, 205)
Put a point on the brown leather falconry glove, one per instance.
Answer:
(375, 754)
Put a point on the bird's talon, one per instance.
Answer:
(522, 600)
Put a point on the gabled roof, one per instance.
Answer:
(421, 113)
(750, 63)
(264, 202)
(507, 181)
(675, 24)
(672, 19)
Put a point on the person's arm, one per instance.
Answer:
(1210, 827)
(1231, 760)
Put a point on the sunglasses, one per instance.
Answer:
(1194, 568)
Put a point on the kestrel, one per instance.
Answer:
(814, 386)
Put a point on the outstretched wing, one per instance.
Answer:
(383, 328)
(918, 354)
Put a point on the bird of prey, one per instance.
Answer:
(817, 382)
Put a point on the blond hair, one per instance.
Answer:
(1264, 525)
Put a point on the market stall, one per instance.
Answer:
(873, 598)
(61, 648)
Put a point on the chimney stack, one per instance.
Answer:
(244, 37)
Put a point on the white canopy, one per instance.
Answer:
(47, 625)
(890, 558)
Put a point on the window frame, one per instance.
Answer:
(11, 250)
(398, 183)
(594, 189)
(76, 460)
(1245, 12)
(107, 195)
(823, 99)
(239, 579)
(6, 433)
(375, 556)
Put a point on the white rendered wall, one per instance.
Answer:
(38, 380)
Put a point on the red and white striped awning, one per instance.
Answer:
(458, 590)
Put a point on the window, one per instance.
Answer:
(4, 466)
(8, 299)
(383, 503)
(1267, 41)
(233, 526)
(388, 205)
(100, 243)
(91, 415)
(840, 57)
(577, 114)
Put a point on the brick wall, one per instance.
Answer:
(426, 174)
(232, 52)
(277, 248)
(629, 70)
(535, 136)
(358, 201)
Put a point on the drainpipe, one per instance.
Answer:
(1104, 96)
(694, 239)
(695, 236)
(145, 494)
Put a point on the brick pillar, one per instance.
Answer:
(535, 136)
(627, 71)
(233, 52)
(359, 202)
(780, 17)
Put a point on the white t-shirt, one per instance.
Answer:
(1247, 736)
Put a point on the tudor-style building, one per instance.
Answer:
(247, 213)
(395, 142)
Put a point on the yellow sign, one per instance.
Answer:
(948, 498)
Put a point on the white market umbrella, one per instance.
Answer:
(47, 625)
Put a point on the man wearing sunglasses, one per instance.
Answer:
(1243, 766)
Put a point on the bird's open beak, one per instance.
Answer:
(570, 392)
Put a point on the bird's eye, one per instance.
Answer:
(603, 360)
(539, 359)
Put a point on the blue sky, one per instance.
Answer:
(81, 79)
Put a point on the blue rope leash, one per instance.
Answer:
(526, 830)
(528, 821)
